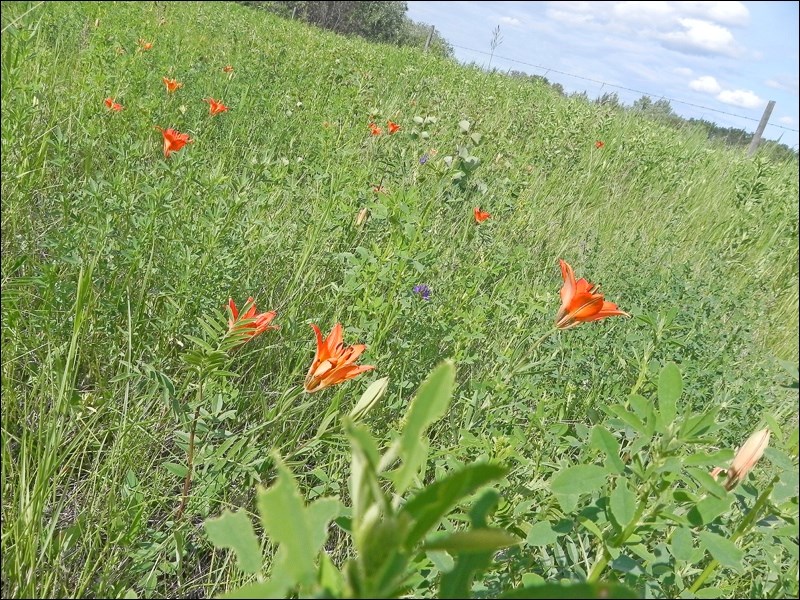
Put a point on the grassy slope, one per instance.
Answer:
(264, 204)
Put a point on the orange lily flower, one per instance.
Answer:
(333, 363)
(227, 69)
(256, 323)
(393, 127)
(374, 129)
(172, 84)
(580, 301)
(174, 140)
(115, 106)
(598, 144)
(143, 46)
(214, 107)
(746, 458)
(480, 215)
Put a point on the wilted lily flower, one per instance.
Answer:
(480, 215)
(227, 69)
(333, 363)
(580, 301)
(173, 140)
(251, 323)
(746, 458)
(144, 46)
(374, 129)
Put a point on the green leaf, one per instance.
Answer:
(369, 398)
(301, 531)
(603, 440)
(266, 589)
(428, 406)
(541, 534)
(235, 531)
(475, 540)
(722, 549)
(175, 468)
(622, 503)
(708, 509)
(670, 388)
(573, 590)
(681, 544)
(579, 479)
(457, 583)
(708, 482)
(430, 505)
(330, 578)
(464, 126)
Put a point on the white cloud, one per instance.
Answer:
(702, 37)
(706, 84)
(643, 12)
(787, 84)
(729, 13)
(787, 121)
(513, 21)
(743, 98)
(570, 18)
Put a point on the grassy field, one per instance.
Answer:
(112, 253)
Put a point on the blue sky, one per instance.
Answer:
(728, 56)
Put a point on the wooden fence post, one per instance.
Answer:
(760, 129)
(428, 41)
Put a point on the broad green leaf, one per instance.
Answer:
(235, 531)
(369, 398)
(622, 503)
(720, 457)
(428, 406)
(603, 440)
(364, 486)
(300, 531)
(431, 504)
(474, 540)
(266, 589)
(708, 482)
(573, 590)
(681, 544)
(670, 388)
(457, 583)
(443, 562)
(541, 534)
(627, 417)
(175, 468)
(578, 479)
(708, 509)
(724, 550)
(330, 578)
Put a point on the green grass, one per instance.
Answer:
(110, 254)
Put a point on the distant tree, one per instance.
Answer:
(378, 21)
(609, 99)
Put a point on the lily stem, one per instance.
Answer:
(187, 482)
(743, 527)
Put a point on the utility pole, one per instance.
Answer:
(760, 129)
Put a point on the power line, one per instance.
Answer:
(622, 87)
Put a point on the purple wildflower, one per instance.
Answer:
(423, 290)
(423, 159)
